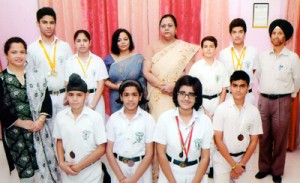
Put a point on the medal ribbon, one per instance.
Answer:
(241, 124)
(52, 63)
(186, 151)
(239, 60)
(81, 66)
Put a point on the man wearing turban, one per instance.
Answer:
(278, 71)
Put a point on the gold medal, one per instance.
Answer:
(53, 73)
(52, 63)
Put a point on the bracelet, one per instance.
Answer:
(234, 166)
(39, 119)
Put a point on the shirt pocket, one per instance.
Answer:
(283, 71)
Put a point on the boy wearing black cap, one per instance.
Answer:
(278, 71)
(80, 136)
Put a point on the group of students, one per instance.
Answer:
(191, 124)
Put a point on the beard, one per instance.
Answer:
(277, 41)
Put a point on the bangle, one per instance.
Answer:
(234, 166)
(39, 119)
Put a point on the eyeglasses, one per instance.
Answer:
(182, 94)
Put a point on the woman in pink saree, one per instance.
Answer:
(166, 60)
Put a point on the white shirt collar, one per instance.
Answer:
(195, 116)
(138, 112)
(83, 112)
(232, 104)
(55, 38)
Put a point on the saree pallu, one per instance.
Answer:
(130, 67)
(168, 65)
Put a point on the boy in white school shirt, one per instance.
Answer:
(48, 55)
(237, 126)
(214, 79)
(80, 136)
(239, 55)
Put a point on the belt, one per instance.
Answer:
(125, 160)
(182, 164)
(249, 91)
(92, 90)
(209, 97)
(57, 92)
(237, 154)
(274, 96)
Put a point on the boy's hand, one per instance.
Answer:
(234, 175)
(239, 169)
(66, 167)
(128, 180)
(76, 168)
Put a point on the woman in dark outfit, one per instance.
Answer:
(25, 105)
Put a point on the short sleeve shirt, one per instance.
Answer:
(167, 133)
(130, 137)
(251, 55)
(82, 136)
(95, 70)
(37, 61)
(213, 77)
(233, 122)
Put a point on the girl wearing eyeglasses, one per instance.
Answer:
(183, 135)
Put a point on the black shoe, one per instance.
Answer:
(261, 175)
(211, 173)
(276, 178)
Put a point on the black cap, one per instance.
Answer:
(76, 83)
(285, 26)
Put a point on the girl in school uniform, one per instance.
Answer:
(183, 135)
(91, 69)
(129, 137)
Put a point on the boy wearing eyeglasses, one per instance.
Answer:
(237, 125)
(80, 136)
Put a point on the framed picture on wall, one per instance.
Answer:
(260, 15)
